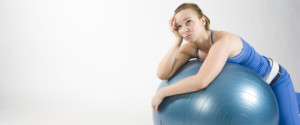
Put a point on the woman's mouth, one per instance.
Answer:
(187, 36)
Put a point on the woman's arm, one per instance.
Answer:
(210, 68)
(174, 59)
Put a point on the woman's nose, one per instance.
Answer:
(185, 29)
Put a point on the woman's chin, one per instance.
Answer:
(189, 41)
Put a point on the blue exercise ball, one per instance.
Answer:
(237, 96)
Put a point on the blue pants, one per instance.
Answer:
(286, 97)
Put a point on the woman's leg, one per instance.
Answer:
(287, 102)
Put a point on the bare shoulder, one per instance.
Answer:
(188, 48)
(218, 35)
(234, 40)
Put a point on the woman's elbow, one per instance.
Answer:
(162, 76)
(202, 86)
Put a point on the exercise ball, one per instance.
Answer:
(237, 96)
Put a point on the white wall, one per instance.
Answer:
(75, 62)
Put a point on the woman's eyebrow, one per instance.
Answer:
(186, 18)
(183, 20)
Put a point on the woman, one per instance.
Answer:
(217, 48)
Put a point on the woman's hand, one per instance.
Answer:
(156, 100)
(173, 28)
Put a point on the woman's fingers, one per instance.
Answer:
(173, 27)
(156, 108)
(172, 21)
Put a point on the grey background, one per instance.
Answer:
(74, 62)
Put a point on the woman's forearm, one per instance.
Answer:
(187, 85)
(209, 70)
(167, 63)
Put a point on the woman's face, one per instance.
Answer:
(189, 25)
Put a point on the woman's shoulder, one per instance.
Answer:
(218, 35)
(224, 36)
(236, 44)
(188, 48)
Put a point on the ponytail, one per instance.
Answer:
(207, 22)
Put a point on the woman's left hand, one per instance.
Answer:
(156, 100)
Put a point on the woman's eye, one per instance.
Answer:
(178, 27)
(189, 21)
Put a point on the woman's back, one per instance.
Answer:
(242, 53)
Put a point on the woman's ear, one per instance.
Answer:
(203, 20)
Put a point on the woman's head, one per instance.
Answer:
(190, 20)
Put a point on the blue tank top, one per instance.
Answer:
(250, 58)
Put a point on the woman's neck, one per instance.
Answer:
(204, 42)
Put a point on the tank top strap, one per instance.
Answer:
(197, 53)
(197, 49)
(211, 38)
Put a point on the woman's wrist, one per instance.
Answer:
(161, 93)
(179, 39)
